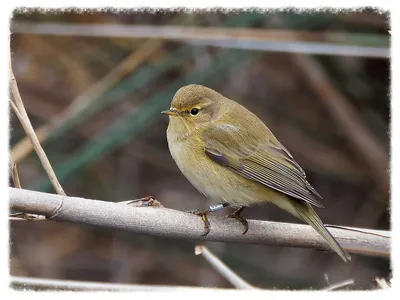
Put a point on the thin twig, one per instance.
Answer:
(22, 148)
(14, 174)
(222, 268)
(328, 43)
(16, 110)
(308, 48)
(175, 224)
(54, 284)
(382, 283)
(338, 285)
(19, 110)
(21, 216)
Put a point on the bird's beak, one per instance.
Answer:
(170, 112)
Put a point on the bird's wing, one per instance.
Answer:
(263, 160)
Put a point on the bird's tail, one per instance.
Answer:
(307, 213)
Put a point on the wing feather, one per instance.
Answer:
(266, 162)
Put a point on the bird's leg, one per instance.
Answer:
(236, 215)
(204, 212)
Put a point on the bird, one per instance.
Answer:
(228, 154)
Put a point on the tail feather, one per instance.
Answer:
(307, 213)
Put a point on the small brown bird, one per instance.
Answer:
(231, 156)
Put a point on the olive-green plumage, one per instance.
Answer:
(230, 155)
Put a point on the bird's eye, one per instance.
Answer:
(194, 111)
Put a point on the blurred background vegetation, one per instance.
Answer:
(95, 101)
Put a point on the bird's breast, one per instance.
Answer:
(211, 179)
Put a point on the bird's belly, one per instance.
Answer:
(215, 181)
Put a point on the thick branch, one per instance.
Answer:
(175, 224)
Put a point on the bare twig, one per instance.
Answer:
(14, 174)
(221, 268)
(328, 43)
(19, 110)
(16, 110)
(338, 285)
(299, 47)
(54, 284)
(21, 216)
(346, 117)
(382, 283)
(171, 223)
(21, 149)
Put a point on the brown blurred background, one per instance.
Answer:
(95, 100)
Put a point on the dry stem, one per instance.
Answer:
(222, 269)
(19, 110)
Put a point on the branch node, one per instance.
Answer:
(57, 210)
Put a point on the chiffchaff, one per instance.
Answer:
(231, 156)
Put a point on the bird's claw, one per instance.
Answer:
(236, 215)
(203, 214)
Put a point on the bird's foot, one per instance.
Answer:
(203, 214)
(236, 215)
